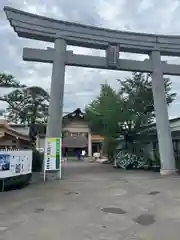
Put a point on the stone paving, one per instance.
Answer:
(94, 201)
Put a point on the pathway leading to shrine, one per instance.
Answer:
(94, 201)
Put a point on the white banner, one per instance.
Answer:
(52, 154)
(14, 163)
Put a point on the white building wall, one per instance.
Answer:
(174, 125)
(76, 126)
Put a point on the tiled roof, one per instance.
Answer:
(13, 132)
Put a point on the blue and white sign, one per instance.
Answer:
(14, 163)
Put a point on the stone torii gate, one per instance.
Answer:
(63, 33)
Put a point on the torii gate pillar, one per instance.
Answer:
(162, 120)
(57, 90)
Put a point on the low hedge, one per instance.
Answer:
(37, 161)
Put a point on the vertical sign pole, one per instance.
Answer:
(58, 156)
(45, 156)
(44, 175)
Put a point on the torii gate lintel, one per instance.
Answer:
(71, 59)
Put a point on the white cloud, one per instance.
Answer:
(145, 5)
(109, 11)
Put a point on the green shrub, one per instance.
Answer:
(157, 161)
(37, 161)
(110, 145)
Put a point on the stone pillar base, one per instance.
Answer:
(164, 172)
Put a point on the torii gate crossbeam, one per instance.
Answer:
(47, 56)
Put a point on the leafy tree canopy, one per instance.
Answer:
(102, 113)
(103, 117)
(126, 110)
(138, 100)
(26, 105)
(8, 81)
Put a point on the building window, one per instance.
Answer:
(66, 133)
(74, 134)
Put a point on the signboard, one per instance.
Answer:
(15, 163)
(52, 154)
(112, 55)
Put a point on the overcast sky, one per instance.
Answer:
(81, 84)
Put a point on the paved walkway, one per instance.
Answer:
(143, 205)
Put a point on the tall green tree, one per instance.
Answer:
(9, 81)
(26, 105)
(138, 109)
(102, 112)
(103, 117)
